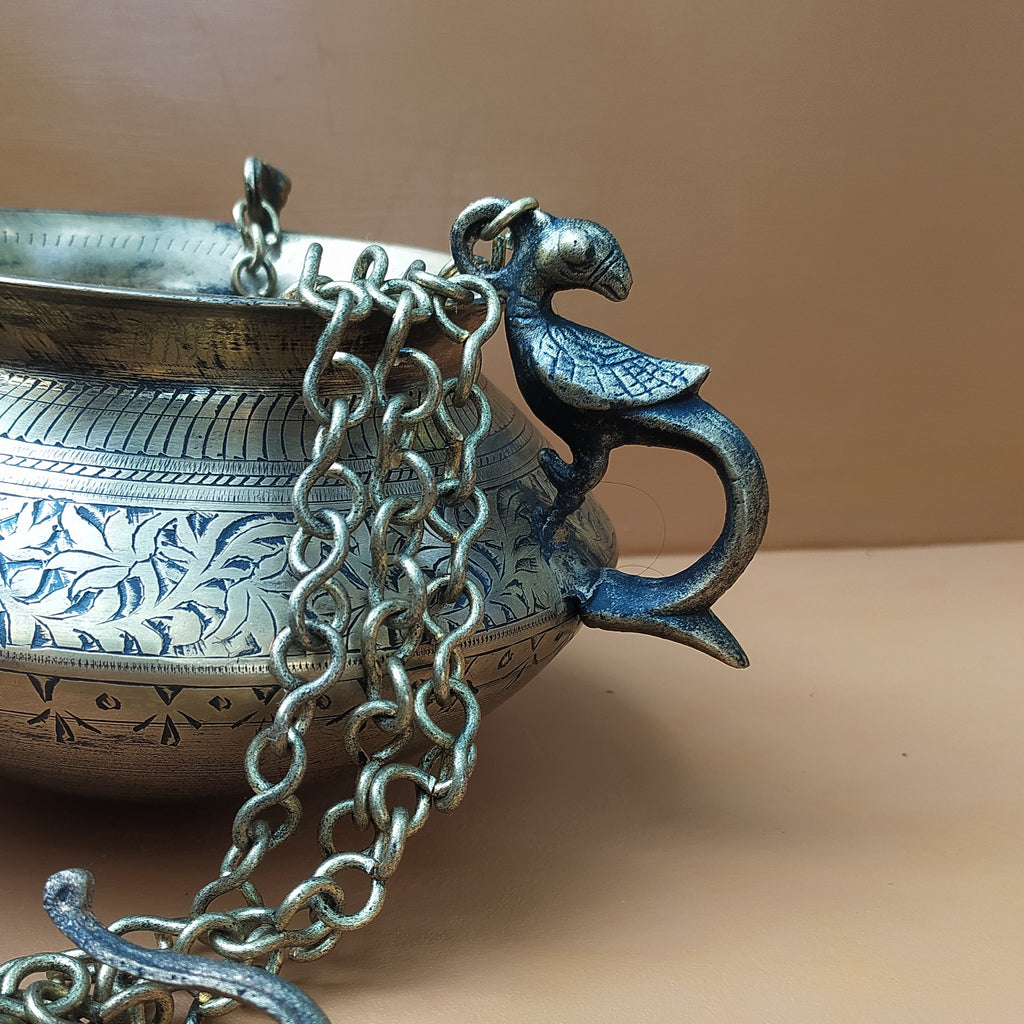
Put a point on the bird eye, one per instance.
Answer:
(575, 248)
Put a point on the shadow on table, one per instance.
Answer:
(568, 773)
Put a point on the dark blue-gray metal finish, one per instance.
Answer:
(597, 394)
(67, 898)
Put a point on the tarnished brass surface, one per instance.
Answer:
(144, 542)
(151, 430)
(151, 297)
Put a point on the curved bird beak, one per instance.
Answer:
(613, 278)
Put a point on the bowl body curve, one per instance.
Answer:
(149, 444)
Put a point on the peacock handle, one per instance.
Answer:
(598, 394)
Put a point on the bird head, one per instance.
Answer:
(573, 253)
(549, 254)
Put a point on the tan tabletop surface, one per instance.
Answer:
(836, 834)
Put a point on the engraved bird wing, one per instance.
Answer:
(589, 370)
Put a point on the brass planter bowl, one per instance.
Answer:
(151, 429)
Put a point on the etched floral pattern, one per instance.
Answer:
(155, 582)
(140, 581)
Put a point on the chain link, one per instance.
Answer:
(408, 606)
(404, 607)
(257, 218)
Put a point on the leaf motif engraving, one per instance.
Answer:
(94, 580)
(32, 581)
(83, 528)
(88, 641)
(158, 582)
(80, 560)
(162, 628)
(132, 592)
(41, 637)
(200, 522)
(141, 581)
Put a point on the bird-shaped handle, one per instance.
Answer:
(678, 607)
(597, 394)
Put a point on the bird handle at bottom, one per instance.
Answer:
(678, 607)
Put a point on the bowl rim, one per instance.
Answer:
(200, 227)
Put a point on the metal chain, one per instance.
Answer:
(257, 218)
(408, 606)
(405, 606)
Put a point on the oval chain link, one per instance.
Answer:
(404, 498)
(257, 219)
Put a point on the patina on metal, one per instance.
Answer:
(597, 394)
(415, 598)
(67, 898)
(152, 425)
(413, 608)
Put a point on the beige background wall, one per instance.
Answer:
(823, 200)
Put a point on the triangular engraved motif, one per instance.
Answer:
(83, 723)
(265, 694)
(170, 737)
(168, 693)
(62, 730)
(509, 681)
(44, 686)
